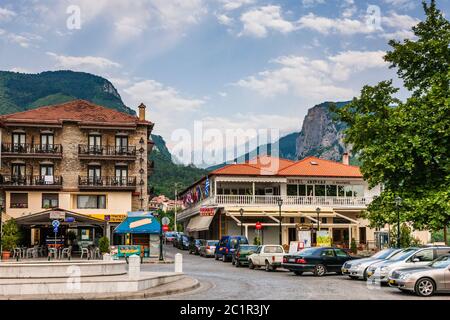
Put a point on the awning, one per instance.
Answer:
(139, 225)
(66, 217)
(199, 223)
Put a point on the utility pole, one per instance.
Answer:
(176, 208)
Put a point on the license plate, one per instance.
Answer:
(392, 282)
(369, 274)
(291, 260)
(344, 270)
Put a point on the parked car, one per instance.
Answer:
(169, 236)
(177, 239)
(268, 256)
(207, 250)
(240, 256)
(408, 258)
(424, 281)
(194, 246)
(357, 269)
(227, 245)
(319, 261)
(184, 242)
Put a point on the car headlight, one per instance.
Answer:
(384, 268)
(356, 266)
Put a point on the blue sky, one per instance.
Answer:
(228, 63)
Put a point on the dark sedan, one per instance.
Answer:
(194, 246)
(319, 261)
(184, 242)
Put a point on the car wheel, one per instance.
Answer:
(298, 273)
(216, 257)
(251, 265)
(320, 270)
(353, 277)
(425, 287)
(237, 264)
(224, 258)
(233, 262)
(267, 266)
(365, 275)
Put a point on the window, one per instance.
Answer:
(273, 249)
(341, 192)
(424, 256)
(324, 220)
(47, 170)
(219, 191)
(292, 190)
(358, 191)
(122, 175)
(18, 142)
(348, 191)
(47, 141)
(302, 190)
(310, 191)
(19, 200)
(327, 253)
(91, 202)
(50, 200)
(320, 191)
(331, 191)
(121, 144)
(340, 253)
(302, 220)
(18, 170)
(94, 174)
(95, 143)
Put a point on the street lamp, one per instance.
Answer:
(318, 222)
(280, 203)
(242, 226)
(398, 202)
(156, 215)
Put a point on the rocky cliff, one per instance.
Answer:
(321, 136)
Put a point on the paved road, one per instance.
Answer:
(223, 281)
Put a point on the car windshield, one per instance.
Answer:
(307, 252)
(247, 249)
(383, 254)
(440, 263)
(213, 243)
(402, 255)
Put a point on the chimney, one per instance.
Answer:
(346, 159)
(142, 108)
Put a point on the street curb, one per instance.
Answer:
(149, 293)
(159, 262)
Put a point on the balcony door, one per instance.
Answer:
(95, 144)
(122, 175)
(18, 142)
(121, 144)
(95, 175)
(47, 171)
(47, 142)
(18, 174)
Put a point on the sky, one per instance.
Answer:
(219, 64)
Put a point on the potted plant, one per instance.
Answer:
(103, 245)
(10, 237)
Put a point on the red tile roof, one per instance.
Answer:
(308, 167)
(80, 111)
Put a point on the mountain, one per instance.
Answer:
(320, 136)
(21, 92)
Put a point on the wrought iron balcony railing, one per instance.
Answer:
(29, 180)
(102, 182)
(100, 151)
(26, 148)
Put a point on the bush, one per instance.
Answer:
(103, 244)
(406, 237)
(353, 246)
(10, 235)
(257, 241)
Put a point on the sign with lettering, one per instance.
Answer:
(57, 215)
(208, 212)
(140, 223)
(320, 182)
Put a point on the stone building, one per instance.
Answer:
(76, 160)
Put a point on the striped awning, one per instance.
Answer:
(199, 223)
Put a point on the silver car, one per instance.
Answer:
(424, 281)
(357, 269)
(408, 258)
(207, 250)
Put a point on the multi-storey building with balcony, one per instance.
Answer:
(79, 160)
(294, 199)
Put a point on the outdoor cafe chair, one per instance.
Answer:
(17, 253)
(67, 252)
(31, 253)
(53, 252)
(85, 251)
(96, 253)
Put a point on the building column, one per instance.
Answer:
(108, 231)
(254, 191)
(246, 231)
(350, 236)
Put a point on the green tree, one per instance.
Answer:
(405, 145)
(103, 245)
(10, 235)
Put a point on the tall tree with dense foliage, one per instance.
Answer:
(405, 145)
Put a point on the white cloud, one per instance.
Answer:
(6, 14)
(162, 97)
(326, 25)
(230, 5)
(84, 63)
(224, 19)
(398, 21)
(313, 79)
(404, 4)
(258, 22)
(310, 3)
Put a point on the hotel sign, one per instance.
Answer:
(318, 182)
(207, 212)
